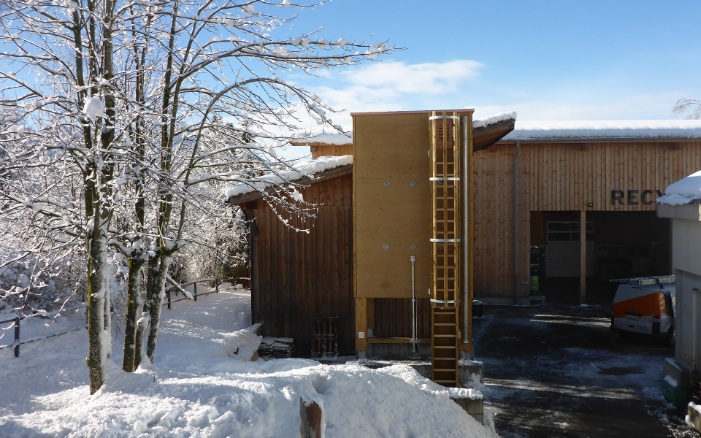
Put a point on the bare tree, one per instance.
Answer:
(149, 107)
(690, 107)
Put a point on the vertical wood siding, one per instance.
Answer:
(298, 276)
(561, 177)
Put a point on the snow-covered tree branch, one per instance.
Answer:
(123, 120)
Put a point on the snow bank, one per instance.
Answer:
(203, 384)
(685, 191)
(605, 129)
(307, 168)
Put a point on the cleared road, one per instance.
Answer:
(558, 371)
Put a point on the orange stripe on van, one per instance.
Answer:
(645, 305)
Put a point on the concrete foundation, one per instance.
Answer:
(474, 407)
(466, 370)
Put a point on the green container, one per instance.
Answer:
(535, 285)
(675, 395)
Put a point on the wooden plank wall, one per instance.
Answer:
(298, 276)
(392, 317)
(560, 177)
(331, 150)
(392, 216)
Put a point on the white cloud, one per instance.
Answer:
(395, 86)
(424, 78)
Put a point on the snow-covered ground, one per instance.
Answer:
(204, 383)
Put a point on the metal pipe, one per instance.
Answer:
(466, 238)
(516, 219)
(695, 328)
(414, 341)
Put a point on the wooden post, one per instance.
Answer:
(582, 257)
(311, 419)
(195, 291)
(361, 326)
(17, 322)
(169, 301)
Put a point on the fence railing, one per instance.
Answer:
(181, 289)
(17, 320)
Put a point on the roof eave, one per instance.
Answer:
(305, 180)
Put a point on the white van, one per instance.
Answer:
(644, 305)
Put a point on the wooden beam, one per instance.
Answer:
(361, 326)
(396, 340)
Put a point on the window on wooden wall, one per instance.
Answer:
(567, 231)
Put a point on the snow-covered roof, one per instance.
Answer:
(326, 139)
(309, 169)
(339, 139)
(605, 129)
(491, 120)
(685, 191)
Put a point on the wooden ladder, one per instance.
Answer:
(445, 241)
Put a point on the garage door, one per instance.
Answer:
(562, 254)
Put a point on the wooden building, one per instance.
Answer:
(300, 280)
(682, 205)
(404, 229)
(571, 203)
(581, 197)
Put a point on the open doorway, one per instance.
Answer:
(618, 245)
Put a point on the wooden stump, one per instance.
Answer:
(311, 419)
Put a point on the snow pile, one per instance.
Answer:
(203, 383)
(604, 129)
(490, 120)
(307, 168)
(685, 191)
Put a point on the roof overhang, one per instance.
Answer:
(336, 172)
(689, 212)
(488, 134)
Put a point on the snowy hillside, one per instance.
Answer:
(204, 384)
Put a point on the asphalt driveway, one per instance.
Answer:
(558, 371)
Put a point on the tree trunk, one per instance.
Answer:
(99, 347)
(129, 362)
(156, 286)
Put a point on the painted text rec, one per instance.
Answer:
(634, 197)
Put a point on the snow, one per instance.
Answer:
(490, 120)
(685, 191)
(308, 168)
(94, 108)
(604, 129)
(204, 383)
(330, 139)
(337, 139)
(671, 381)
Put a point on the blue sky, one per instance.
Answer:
(544, 59)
